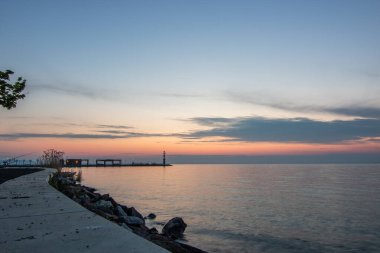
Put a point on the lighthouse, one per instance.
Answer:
(164, 158)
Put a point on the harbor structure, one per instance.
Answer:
(76, 162)
(104, 162)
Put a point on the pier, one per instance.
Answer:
(79, 162)
(76, 162)
(105, 162)
(85, 162)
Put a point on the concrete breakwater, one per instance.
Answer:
(35, 217)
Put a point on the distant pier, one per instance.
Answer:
(84, 162)
(110, 162)
(79, 162)
(117, 164)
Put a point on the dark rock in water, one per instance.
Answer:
(174, 228)
(90, 189)
(153, 231)
(132, 220)
(150, 216)
(130, 217)
(133, 212)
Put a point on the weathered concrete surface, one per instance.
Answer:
(35, 217)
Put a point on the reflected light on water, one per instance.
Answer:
(256, 208)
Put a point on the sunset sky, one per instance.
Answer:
(234, 78)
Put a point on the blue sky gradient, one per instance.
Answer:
(131, 63)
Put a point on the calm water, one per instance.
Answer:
(256, 208)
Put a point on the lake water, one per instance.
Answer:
(256, 208)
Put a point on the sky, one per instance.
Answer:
(195, 78)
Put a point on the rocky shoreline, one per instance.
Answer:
(127, 217)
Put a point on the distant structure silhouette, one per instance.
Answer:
(114, 162)
(76, 162)
(164, 159)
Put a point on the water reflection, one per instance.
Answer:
(256, 208)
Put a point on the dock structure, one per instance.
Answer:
(76, 162)
(79, 162)
(108, 162)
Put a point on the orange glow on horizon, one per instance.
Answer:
(175, 146)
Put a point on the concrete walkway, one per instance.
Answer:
(35, 217)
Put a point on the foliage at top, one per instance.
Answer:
(10, 93)
(52, 158)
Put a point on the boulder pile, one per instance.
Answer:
(127, 217)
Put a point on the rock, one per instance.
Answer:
(125, 208)
(174, 228)
(150, 216)
(133, 212)
(66, 181)
(103, 205)
(114, 203)
(68, 193)
(120, 211)
(132, 220)
(84, 199)
(95, 197)
(141, 230)
(92, 195)
(153, 230)
(105, 197)
(108, 216)
(90, 189)
(129, 219)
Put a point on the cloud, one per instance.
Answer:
(114, 126)
(93, 131)
(364, 112)
(301, 130)
(180, 95)
(244, 129)
(14, 136)
(105, 135)
(75, 90)
(374, 139)
(212, 122)
(112, 131)
(360, 111)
